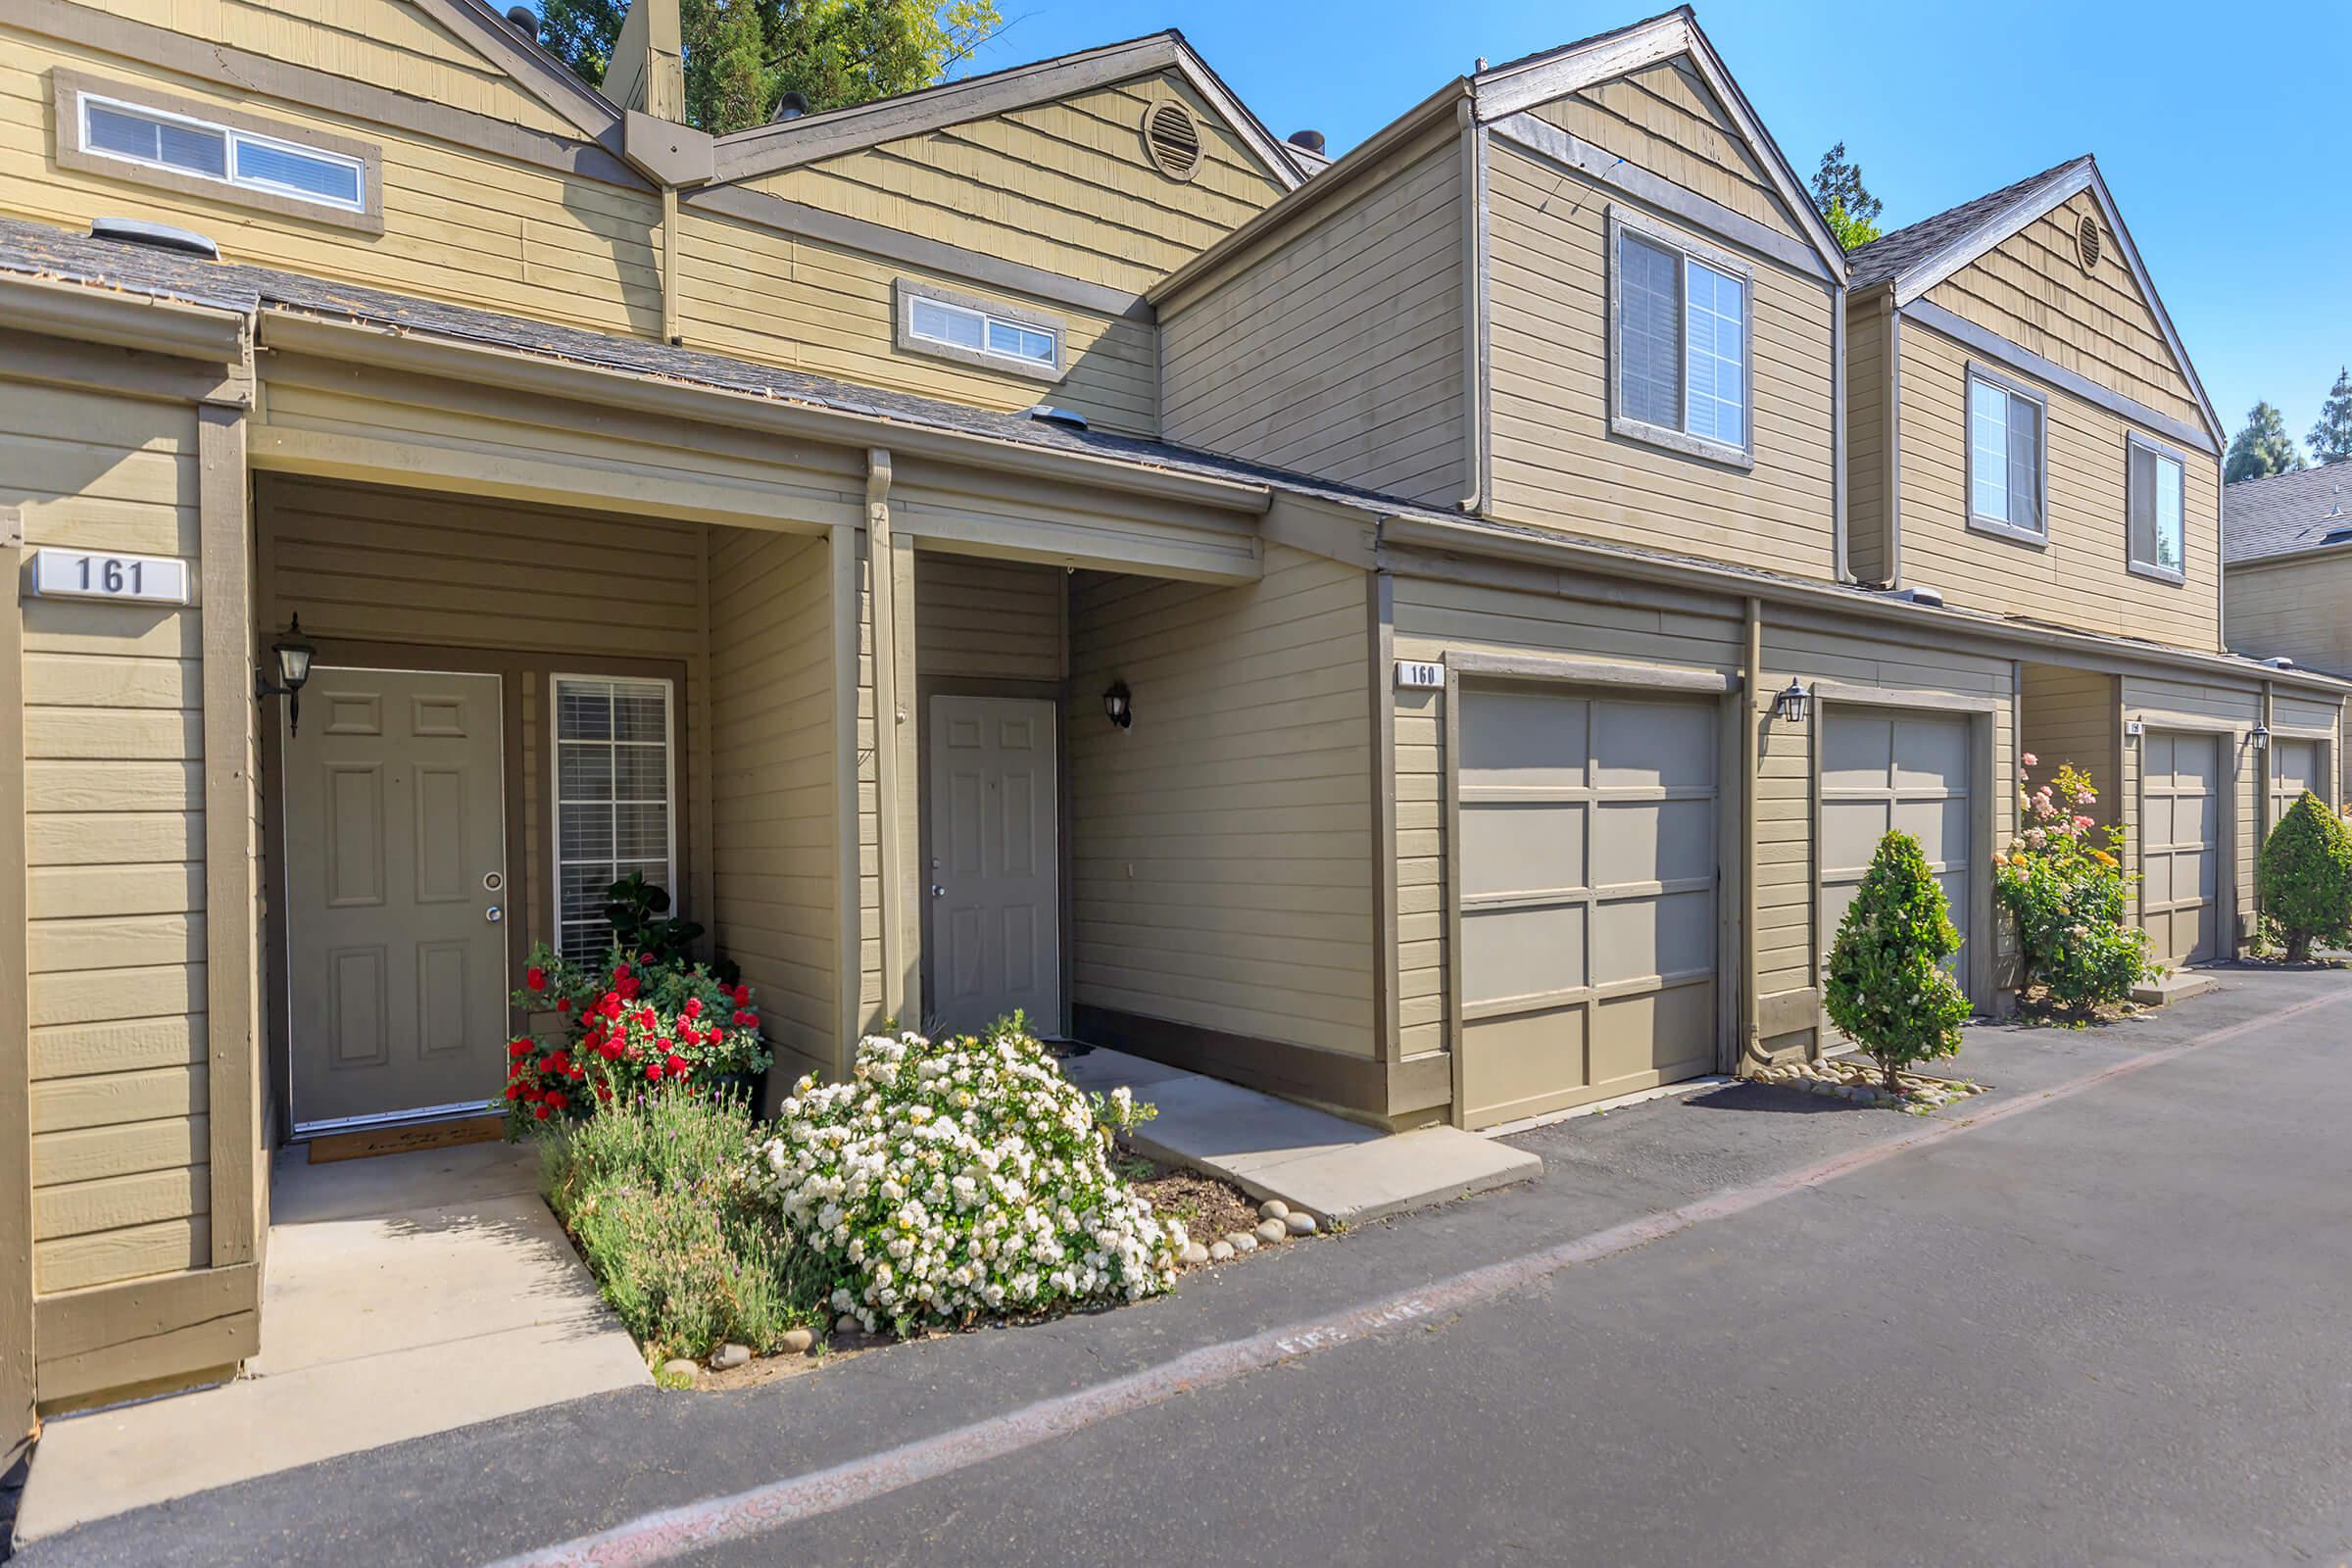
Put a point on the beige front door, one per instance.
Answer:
(995, 893)
(1883, 771)
(396, 893)
(1586, 897)
(2180, 845)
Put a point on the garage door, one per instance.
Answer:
(1882, 770)
(1587, 873)
(2295, 762)
(2180, 834)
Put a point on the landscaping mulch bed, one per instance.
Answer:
(1208, 1208)
(2036, 1011)
(1858, 1079)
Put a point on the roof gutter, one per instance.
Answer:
(214, 334)
(1470, 536)
(2341, 547)
(481, 365)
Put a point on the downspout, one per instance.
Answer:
(2265, 797)
(1751, 1040)
(669, 266)
(883, 569)
(1474, 311)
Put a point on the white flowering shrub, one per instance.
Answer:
(955, 1178)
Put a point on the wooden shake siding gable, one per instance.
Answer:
(1664, 118)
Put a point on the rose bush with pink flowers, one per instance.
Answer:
(2063, 881)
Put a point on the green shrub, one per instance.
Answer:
(2063, 882)
(1887, 987)
(652, 1188)
(2305, 877)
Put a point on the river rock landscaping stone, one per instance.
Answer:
(1271, 1231)
(727, 1357)
(1299, 1224)
(1242, 1242)
(1273, 1209)
(848, 1326)
(798, 1341)
(1195, 1255)
(1858, 1079)
(681, 1370)
(1221, 1252)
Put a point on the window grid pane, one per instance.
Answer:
(612, 805)
(1717, 357)
(1649, 333)
(1988, 451)
(301, 173)
(2168, 513)
(2025, 463)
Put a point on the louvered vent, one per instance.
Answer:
(2087, 240)
(1173, 137)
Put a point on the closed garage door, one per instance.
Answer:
(1586, 848)
(1883, 771)
(2295, 766)
(2180, 835)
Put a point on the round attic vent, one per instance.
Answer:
(1172, 136)
(2086, 241)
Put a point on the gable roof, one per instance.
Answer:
(533, 68)
(1521, 84)
(785, 144)
(1917, 257)
(2287, 513)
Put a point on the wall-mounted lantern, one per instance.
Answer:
(293, 656)
(2261, 736)
(1792, 704)
(1118, 705)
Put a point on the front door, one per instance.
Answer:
(995, 892)
(395, 891)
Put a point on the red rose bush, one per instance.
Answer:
(627, 1025)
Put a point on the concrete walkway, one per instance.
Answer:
(1333, 1169)
(404, 1296)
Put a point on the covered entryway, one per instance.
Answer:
(2180, 835)
(1885, 770)
(395, 886)
(1587, 896)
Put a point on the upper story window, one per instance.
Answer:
(1679, 342)
(988, 333)
(199, 149)
(2008, 467)
(2153, 509)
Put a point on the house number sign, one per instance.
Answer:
(127, 579)
(1414, 674)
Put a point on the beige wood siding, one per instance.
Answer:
(773, 829)
(2075, 716)
(1340, 353)
(2080, 578)
(365, 566)
(1065, 185)
(2031, 289)
(1221, 849)
(1664, 118)
(115, 841)
(1556, 462)
(2298, 609)
(1867, 502)
(2205, 707)
(459, 225)
(982, 619)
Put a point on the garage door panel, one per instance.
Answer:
(1522, 847)
(1940, 826)
(1654, 1038)
(1523, 738)
(1652, 841)
(2294, 768)
(1850, 831)
(1522, 953)
(2156, 880)
(1652, 745)
(1642, 938)
(1930, 755)
(1524, 1063)
(1858, 751)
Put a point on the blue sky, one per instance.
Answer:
(2220, 130)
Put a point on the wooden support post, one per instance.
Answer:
(17, 1388)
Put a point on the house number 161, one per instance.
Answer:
(131, 579)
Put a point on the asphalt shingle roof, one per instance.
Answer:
(1892, 254)
(2287, 511)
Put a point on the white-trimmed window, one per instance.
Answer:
(990, 333)
(2153, 485)
(1681, 342)
(2008, 464)
(157, 139)
(615, 798)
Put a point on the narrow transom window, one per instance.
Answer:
(1679, 336)
(981, 332)
(2153, 505)
(614, 806)
(2007, 469)
(157, 138)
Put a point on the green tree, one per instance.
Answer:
(1887, 987)
(2305, 876)
(1852, 211)
(742, 56)
(2331, 438)
(2263, 448)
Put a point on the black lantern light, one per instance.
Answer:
(293, 671)
(1119, 704)
(2260, 737)
(1792, 704)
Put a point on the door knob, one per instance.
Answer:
(494, 915)
(938, 892)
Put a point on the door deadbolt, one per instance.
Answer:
(494, 915)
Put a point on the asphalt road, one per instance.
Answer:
(2108, 1324)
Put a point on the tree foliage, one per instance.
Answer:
(2305, 877)
(2263, 448)
(1887, 987)
(2331, 438)
(1851, 210)
(742, 56)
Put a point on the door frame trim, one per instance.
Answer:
(510, 745)
(1053, 695)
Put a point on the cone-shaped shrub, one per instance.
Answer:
(1888, 988)
(2305, 876)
